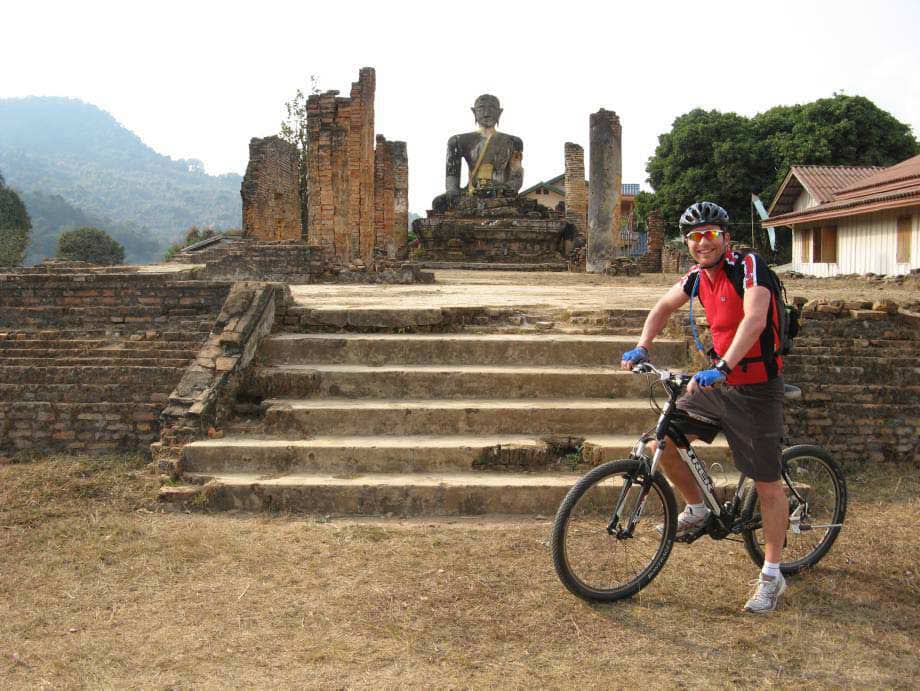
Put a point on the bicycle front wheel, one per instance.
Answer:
(594, 558)
(813, 526)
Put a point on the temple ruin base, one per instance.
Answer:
(503, 230)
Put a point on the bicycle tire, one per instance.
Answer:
(584, 551)
(826, 493)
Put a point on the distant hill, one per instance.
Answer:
(62, 152)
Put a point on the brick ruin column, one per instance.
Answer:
(271, 191)
(340, 170)
(391, 198)
(576, 189)
(604, 192)
(384, 202)
(361, 161)
(399, 155)
(650, 262)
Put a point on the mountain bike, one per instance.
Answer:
(616, 526)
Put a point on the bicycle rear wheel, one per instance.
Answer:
(591, 559)
(814, 526)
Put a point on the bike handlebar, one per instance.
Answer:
(677, 379)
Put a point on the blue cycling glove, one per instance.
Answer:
(709, 377)
(636, 355)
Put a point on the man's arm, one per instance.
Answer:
(656, 320)
(756, 309)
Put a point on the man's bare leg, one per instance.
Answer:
(774, 511)
(677, 471)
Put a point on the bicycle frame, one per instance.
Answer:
(674, 384)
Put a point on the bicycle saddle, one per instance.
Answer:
(792, 392)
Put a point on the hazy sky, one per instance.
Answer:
(198, 79)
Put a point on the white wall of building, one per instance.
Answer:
(865, 244)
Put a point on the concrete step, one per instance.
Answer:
(333, 318)
(460, 349)
(414, 494)
(445, 381)
(417, 453)
(464, 416)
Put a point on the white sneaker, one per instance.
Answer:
(766, 594)
(688, 521)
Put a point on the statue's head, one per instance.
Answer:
(487, 110)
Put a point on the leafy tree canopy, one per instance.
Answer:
(90, 245)
(724, 157)
(14, 227)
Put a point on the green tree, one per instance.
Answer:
(14, 227)
(724, 157)
(90, 245)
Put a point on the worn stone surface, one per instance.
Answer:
(88, 356)
(504, 229)
(576, 189)
(340, 171)
(391, 198)
(244, 259)
(271, 191)
(651, 261)
(604, 194)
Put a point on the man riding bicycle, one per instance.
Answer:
(741, 395)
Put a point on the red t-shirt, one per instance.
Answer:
(725, 309)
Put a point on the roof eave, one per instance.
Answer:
(818, 215)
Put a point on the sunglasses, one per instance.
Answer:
(697, 235)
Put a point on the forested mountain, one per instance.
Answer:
(70, 160)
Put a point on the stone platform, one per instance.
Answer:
(509, 230)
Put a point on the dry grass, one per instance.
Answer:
(97, 589)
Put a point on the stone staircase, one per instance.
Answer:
(385, 419)
(89, 390)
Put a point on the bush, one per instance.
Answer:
(90, 245)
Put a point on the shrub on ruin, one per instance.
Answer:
(90, 245)
(15, 227)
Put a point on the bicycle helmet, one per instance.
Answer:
(703, 214)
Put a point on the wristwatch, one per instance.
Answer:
(723, 367)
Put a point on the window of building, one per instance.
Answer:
(829, 244)
(816, 245)
(805, 245)
(904, 239)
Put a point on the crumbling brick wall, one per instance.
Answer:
(88, 357)
(234, 259)
(271, 191)
(651, 261)
(858, 371)
(576, 189)
(391, 198)
(340, 171)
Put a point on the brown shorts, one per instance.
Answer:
(750, 416)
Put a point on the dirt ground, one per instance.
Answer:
(567, 291)
(99, 589)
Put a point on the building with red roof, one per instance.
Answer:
(847, 219)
